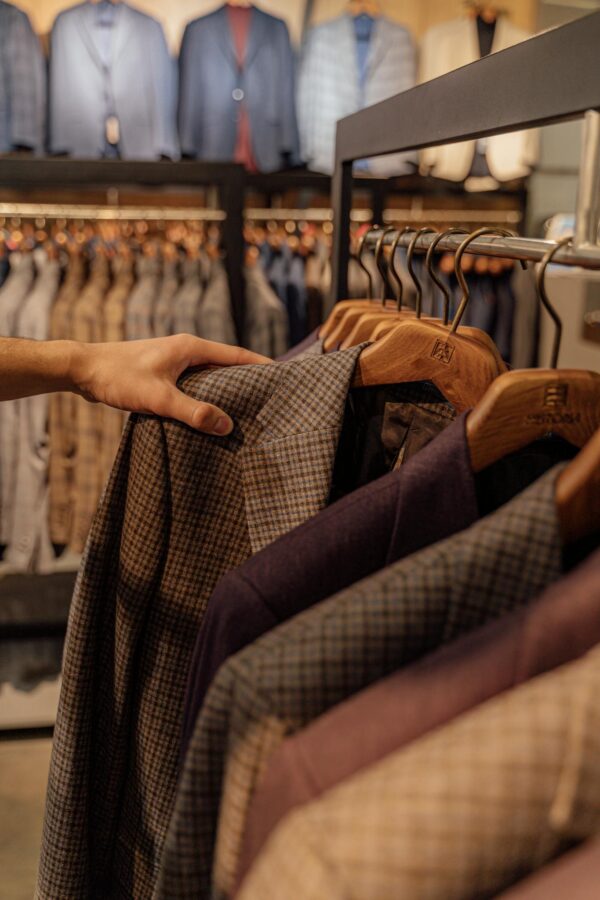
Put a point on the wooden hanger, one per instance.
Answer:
(342, 306)
(577, 495)
(527, 404)
(414, 350)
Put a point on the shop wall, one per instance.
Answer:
(418, 17)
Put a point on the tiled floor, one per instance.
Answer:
(23, 774)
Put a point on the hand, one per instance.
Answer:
(141, 376)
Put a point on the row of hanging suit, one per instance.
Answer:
(115, 91)
(349, 651)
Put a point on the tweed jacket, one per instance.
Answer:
(29, 540)
(22, 84)
(557, 628)
(329, 86)
(87, 479)
(62, 412)
(187, 300)
(460, 813)
(573, 875)
(266, 321)
(163, 308)
(180, 509)
(212, 86)
(12, 295)
(141, 300)
(215, 316)
(142, 80)
(304, 667)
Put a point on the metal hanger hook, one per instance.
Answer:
(498, 232)
(392, 264)
(540, 283)
(359, 260)
(386, 287)
(409, 265)
(432, 274)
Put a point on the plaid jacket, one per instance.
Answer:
(163, 308)
(187, 300)
(61, 417)
(22, 82)
(461, 813)
(180, 509)
(304, 667)
(140, 303)
(266, 322)
(215, 317)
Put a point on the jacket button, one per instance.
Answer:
(237, 94)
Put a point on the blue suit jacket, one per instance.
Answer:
(22, 82)
(143, 79)
(209, 76)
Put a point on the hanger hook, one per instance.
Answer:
(409, 264)
(429, 263)
(359, 259)
(392, 264)
(540, 281)
(386, 287)
(498, 232)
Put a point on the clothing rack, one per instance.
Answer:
(111, 213)
(511, 90)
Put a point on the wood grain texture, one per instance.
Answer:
(526, 404)
(338, 312)
(578, 494)
(461, 368)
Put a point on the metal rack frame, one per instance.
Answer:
(548, 79)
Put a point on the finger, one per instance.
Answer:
(201, 416)
(203, 352)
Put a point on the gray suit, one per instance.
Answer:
(140, 304)
(215, 317)
(266, 323)
(186, 302)
(163, 309)
(141, 82)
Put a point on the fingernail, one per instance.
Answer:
(223, 426)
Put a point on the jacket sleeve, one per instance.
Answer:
(290, 142)
(165, 90)
(26, 72)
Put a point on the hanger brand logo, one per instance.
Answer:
(556, 395)
(443, 351)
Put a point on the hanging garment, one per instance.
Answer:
(574, 875)
(22, 83)
(12, 296)
(87, 326)
(266, 321)
(295, 299)
(152, 560)
(429, 497)
(240, 20)
(140, 303)
(558, 627)
(449, 46)
(463, 812)
(29, 539)
(304, 667)
(123, 93)
(213, 87)
(215, 316)
(311, 344)
(62, 412)
(329, 86)
(187, 300)
(163, 309)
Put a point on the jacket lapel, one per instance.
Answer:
(123, 30)
(379, 46)
(86, 22)
(287, 469)
(257, 35)
(225, 37)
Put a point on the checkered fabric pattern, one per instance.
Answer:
(181, 508)
(141, 300)
(215, 317)
(61, 421)
(266, 322)
(461, 813)
(113, 329)
(304, 667)
(22, 83)
(87, 477)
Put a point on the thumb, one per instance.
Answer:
(201, 416)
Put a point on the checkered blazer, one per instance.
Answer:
(304, 667)
(23, 83)
(181, 508)
(266, 322)
(460, 813)
(163, 308)
(61, 416)
(187, 300)
(215, 316)
(140, 303)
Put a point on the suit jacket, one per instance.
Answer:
(210, 80)
(460, 813)
(452, 45)
(302, 668)
(329, 88)
(186, 302)
(29, 541)
(561, 625)
(62, 413)
(22, 84)
(141, 300)
(215, 316)
(574, 875)
(180, 509)
(12, 295)
(163, 309)
(266, 322)
(142, 81)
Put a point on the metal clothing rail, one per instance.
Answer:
(111, 213)
(550, 78)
